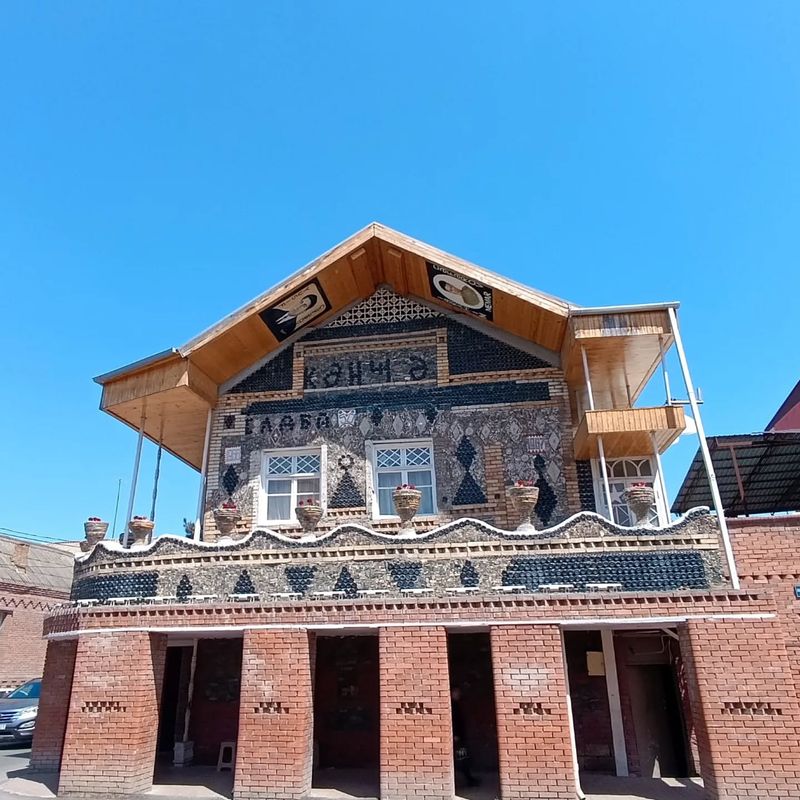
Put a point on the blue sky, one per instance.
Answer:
(162, 163)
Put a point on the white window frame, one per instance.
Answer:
(263, 504)
(653, 478)
(372, 448)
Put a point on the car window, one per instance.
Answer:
(28, 691)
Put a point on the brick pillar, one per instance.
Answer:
(745, 708)
(532, 721)
(274, 748)
(416, 725)
(51, 721)
(110, 742)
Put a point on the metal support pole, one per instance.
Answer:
(601, 452)
(709, 464)
(661, 482)
(571, 722)
(135, 476)
(667, 390)
(587, 378)
(600, 449)
(157, 472)
(198, 525)
(614, 704)
(187, 715)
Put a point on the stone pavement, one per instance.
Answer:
(17, 782)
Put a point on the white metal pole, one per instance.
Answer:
(604, 472)
(135, 476)
(661, 481)
(667, 390)
(201, 499)
(187, 714)
(571, 722)
(709, 464)
(614, 704)
(587, 378)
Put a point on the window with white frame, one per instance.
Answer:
(396, 463)
(288, 477)
(622, 473)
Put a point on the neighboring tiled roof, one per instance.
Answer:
(36, 566)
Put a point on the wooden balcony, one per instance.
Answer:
(627, 431)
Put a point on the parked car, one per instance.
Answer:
(18, 712)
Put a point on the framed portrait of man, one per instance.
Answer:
(460, 291)
(295, 311)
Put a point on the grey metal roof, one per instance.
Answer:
(48, 567)
(757, 473)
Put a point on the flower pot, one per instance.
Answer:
(140, 530)
(406, 505)
(227, 519)
(640, 500)
(524, 499)
(308, 516)
(95, 531)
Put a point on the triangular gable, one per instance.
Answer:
(471, 347)
(351, 272)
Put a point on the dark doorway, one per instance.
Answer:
(657, 721)
(171, 698)
(589, 695)
(473, 708)
(347, 713)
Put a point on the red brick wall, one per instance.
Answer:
(22, 647)
(51, 721)
(532, 722)
(113, 713)
(274, 748)
(745, 708)
(416, 726)
(767, 553)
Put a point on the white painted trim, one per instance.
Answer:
(573, 746)
(388, 444)
(614, 704)
(263, 504)
(584, 624)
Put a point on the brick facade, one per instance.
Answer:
(416, 729)
(745, 707)
(22, 648)
(274, 751)
(532, 720)
(113, 713)
(51, 721)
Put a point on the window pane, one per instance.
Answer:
(385, 502)
(426, 504)
(279, 465)
(307, 464)
(308, 488)
(420, 478)
(279, 507)
(279, 487)
(389, 480)
(418, 456)
(388, 458)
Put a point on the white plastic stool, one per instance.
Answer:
(228, 748)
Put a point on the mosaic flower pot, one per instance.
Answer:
(226, 520)
(141, 530)
(640, 500)
(95, 531)
(524, 499)
(308, 516)
(406, 504)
